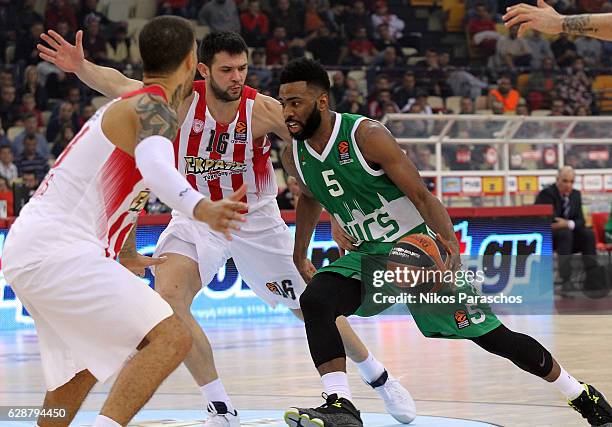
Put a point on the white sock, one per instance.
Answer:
(336, 383)
(215, 392)
(370, 369)
(102, 421)
(568, 385)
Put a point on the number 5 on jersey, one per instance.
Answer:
(334, 187)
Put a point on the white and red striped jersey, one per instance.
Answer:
(217, 158)
(94, 191)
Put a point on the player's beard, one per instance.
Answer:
(223, 95)
(310, 127)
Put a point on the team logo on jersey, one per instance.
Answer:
(240, 132)
(197, 127)
(344, 151)
(461, 319)
(140, 201)
(273, 287)
(212, 169)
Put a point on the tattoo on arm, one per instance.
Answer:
(176, 98)
(129, 247)
(578, 24)
(156, 117)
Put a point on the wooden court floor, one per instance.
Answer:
(266, 365)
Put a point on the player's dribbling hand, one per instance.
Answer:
(223, 215)
(138, 264)
(344, 240)
(67, 57)
(306, 269)
(453, 262)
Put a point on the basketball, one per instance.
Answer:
(418, 257)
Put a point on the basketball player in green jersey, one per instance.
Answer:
(354, 168)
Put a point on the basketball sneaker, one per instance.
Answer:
(335, 412)
(593, 406)
(219, 416)
(398, 401)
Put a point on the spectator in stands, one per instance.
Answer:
(8, 169)
(74, 97)
(389, 63)
(28, 106)
(88, 111)
(471, 7)
(505, 94)
(27, 16)
(6, 197)
(30, 160)
(384, 39)
(590, 50)
(60, 10)
(9, 23)
(358, 17)
(288, 198)
(277, 45)
(9, 108)
(399, 130)
(66, 115)
(119, 49)
(338, 87)
(512, 52)
(94, 42)
(6, 76)
(432, 76)
(497, 107)
(565, 50)
(423, 160)
(421, 101)
(174, 7)
(326, 47)
(539, 48)
(30, 182)
(464, 83)
(352, 103)
(25, 50)
(522, 109)
(376, 108)
(570, 235)
(90, 7)
(62, 140)
(416, 128)
(574, 86)
(407, 90)
(288, 17)
(255, 25)
(32, 85)
(220, 15)
(466, 105)
(312, 20)
(64, 30)
(258, 67)
(557, 108)
(383, 16)
(540, 84)
(482, 31)
(30, 124)
(361, 50)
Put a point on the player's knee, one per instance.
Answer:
(316, 301)
(178, 297)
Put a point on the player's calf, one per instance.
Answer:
(70, 396)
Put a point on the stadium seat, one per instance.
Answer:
(409, 51)
(481, 103)
(201, 31)
(602, 87)
(540, 113)
(145, 9)
(99, 101)
(435, 102)
(598, 221)
(455, 15)
(360, 77)
(454, 103)
(413, 60)
(13, 131)
(484, 112)
(119, 10)
(134, 27)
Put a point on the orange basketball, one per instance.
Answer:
(422, 259)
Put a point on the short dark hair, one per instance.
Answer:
(164, 42)
(222, 41)
(5, 146)
(30, 136)
(305, 70)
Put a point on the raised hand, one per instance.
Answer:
(67, 57)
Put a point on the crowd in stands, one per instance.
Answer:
(382, 56)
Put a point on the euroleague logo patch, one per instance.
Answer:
(461, 319)
(273, 287)
(240, 132)
(344, 151)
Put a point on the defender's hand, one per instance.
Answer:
(453, 261)
(67, 57)
(138, 264)
(223, 215)
(542, 18)
(344, 240)
(306, 268)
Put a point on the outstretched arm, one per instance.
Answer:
(71, 59)
(547, 20)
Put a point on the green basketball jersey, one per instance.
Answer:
(365, 201)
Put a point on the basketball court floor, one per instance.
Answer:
(266, 368)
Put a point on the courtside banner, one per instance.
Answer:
(228, 296)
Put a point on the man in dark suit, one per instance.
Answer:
(569, 232)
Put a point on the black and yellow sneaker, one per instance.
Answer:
(335, 412)
(593, 406)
